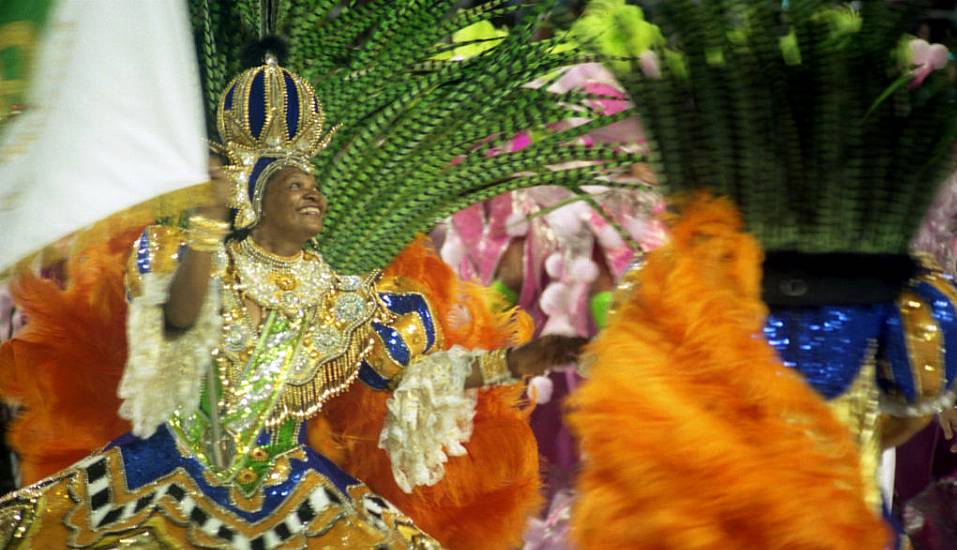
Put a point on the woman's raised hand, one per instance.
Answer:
(218, 208)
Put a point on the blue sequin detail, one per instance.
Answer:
(371, 378)
(143, 264)
(404, 304)
(256, 104)
(258, 168)
(826, 344)
(894, 351)
(143, 254)
(292, 103)
(946, 317)
(147, 460)
(228, 100)
(394, 343)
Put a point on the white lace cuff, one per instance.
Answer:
(429, 417)
(163, 376)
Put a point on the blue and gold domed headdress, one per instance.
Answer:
(269, 118)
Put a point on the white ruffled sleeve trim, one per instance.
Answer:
(162, 375)
(429, 417)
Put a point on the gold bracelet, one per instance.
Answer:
(494, 367)
(205, 235)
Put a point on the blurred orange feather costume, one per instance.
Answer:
(63, 369)
(700, 438)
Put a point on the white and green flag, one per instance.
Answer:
(100, 109)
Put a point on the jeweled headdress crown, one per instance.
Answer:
(269, 118)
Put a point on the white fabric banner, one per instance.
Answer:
(114, 117)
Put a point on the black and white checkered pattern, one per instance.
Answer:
(98, 483)
(104, 513)
(320, 499)
(375, 507)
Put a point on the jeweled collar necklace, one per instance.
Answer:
(287, 284)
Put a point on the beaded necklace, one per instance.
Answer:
(289, 285)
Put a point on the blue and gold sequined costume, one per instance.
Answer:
(896, 359)
(275, 491)
(223, 448)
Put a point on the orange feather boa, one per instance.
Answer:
(64, 366)
(696, 436)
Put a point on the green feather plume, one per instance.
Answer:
(797, 114)
(418, 127)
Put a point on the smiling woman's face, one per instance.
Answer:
(292, 204)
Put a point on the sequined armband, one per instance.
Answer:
(494, 367)
(206, 235)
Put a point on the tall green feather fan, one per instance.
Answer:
(772, 107)
(416, 130)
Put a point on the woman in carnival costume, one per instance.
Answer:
(825, 134)
(274, 363)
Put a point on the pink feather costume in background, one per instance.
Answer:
(559, 253)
